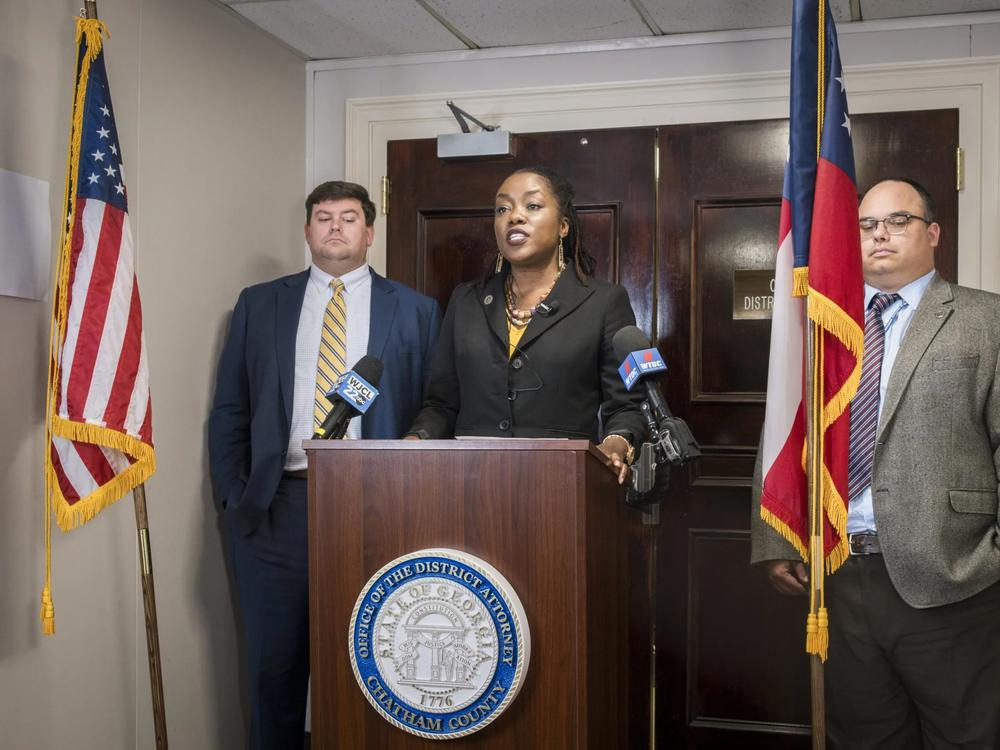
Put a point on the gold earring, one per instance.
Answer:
(562, 257)
(499, 266)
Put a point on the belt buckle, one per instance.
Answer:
(859, 544)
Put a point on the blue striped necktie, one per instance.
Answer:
(864, 405)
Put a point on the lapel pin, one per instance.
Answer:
(488, 299)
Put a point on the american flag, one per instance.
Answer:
(99, 414)
(818, 269)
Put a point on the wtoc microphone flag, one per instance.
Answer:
(99, 435)
(639, 363)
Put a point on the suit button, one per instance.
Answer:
(504, 424)
(517, 363)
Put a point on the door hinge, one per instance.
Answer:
(386, 192)
(959, 168)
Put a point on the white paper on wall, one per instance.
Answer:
(25, 236)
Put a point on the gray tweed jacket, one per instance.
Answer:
(937, 454)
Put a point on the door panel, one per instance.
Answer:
(732, 233)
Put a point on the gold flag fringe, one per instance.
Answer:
(71, 516)
(836, 513)
(800, 281)
(785, 530)
(831, 318)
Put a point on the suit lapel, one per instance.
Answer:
(491, 298)
(381, 318)
(569, 293)
(383, 313)
(930, 315)
(288, 307)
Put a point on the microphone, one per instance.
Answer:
(639, 360)
(672, 439)
(545, 309)
(351, 395)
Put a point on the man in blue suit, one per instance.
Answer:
(266, 405)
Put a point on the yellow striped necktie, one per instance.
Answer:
(332, 361)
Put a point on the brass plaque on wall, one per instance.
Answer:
(753, 294)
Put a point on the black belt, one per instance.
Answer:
(296, 473)
(864, 544)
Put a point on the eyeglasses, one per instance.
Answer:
(895, 223)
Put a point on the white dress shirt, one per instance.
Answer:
(357, 300)
(896, 319)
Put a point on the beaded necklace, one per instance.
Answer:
(521, 318)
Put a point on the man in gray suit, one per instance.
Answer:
(915, 610)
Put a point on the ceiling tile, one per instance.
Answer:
(681, 16)
(875, 9)
(331, 29)
(497, 24)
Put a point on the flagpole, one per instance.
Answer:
(814, 459)
(149, 609)
(146, 574)
(814, 438)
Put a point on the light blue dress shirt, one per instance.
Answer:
(357, 300)
(896, 319)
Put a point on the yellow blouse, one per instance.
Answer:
(514, 334)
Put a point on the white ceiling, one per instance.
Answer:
(337, 29)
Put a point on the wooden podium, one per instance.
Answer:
(550, 516)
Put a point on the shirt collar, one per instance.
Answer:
(352, 279)
(911, 293)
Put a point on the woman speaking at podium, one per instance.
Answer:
(526, 352)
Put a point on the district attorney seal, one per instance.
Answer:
(439, 643)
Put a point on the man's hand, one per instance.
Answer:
(788, 576)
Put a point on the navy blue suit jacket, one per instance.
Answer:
(250, 422)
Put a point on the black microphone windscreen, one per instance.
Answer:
(629, 339)
(370, 368)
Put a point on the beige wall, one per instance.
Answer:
(211, 120)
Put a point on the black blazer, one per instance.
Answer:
(562, 381)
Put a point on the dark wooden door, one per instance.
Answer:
(730, 669)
